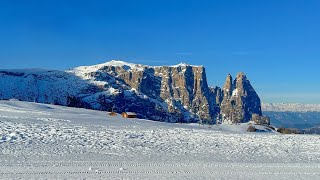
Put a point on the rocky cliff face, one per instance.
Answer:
(167, 93)
(240, 101)
(181, 89)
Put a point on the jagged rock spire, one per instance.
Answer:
(240, 100)
(228, 86)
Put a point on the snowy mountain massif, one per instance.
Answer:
(43, 141)
(177, 93)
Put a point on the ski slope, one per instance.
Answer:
(41, 141)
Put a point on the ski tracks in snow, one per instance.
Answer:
(120, 170)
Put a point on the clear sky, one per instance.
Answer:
(275, 42)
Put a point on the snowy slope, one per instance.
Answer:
(39, 85)
(56, 142)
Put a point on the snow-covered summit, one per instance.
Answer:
(115, 63)
(183, 64)
(118, 63)
(125, 65)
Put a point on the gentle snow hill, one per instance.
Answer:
(56, 142)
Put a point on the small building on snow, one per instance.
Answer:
(129, 115)
(112, 113)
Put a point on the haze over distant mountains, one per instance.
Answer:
(294, 115)
(290, 107)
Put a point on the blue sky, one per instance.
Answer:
(275, 42)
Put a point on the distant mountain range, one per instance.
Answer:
(177, 93)
(290, 107)
(301, 116)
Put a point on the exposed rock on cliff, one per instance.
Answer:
(166, 93)
(240, 101)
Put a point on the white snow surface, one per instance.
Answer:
(41, 141)
(290, 107)
(235, 92)
(182, 64)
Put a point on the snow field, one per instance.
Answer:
(56, 142)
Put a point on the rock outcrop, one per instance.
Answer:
(166, 93)
(260, 120)
(240, 101)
